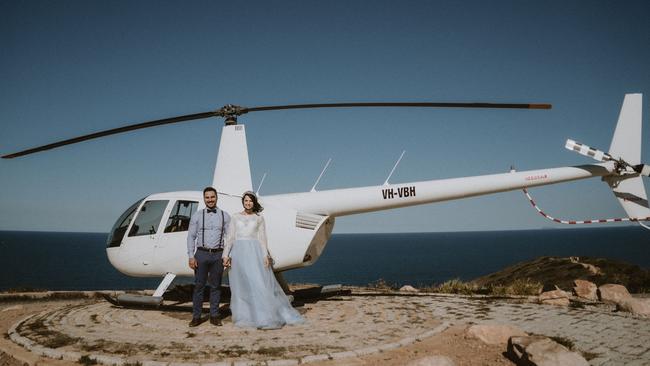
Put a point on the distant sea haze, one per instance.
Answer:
(77, 261)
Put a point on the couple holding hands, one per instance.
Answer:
(216, 241)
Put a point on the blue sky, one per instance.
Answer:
(75, 67)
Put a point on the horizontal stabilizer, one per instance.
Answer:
(631, 195)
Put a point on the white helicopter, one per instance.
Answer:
(149, 238)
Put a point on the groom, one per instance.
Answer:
(205, 241)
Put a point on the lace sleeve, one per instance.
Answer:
(230, 237)
(261, 234)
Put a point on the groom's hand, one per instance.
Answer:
(226, 262)
(192, 263)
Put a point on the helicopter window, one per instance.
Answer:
(122, 223)
(179, 218)
(148, 218)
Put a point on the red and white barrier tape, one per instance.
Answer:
(577, 222)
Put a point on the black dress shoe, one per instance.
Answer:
(214, 320)
(195, 322)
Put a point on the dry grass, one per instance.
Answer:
(382, 285)
(271, 351)
(233, 351)
(456, 286)
(85, 360)
(518, 287)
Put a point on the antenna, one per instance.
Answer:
(260, 186)
(395, 166)
(313, 189)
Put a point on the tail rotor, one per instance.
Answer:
(625, 153)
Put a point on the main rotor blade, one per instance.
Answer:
(390, 104)
(165, 121)
(230, 111)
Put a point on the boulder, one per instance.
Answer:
(541, 351)
(586, 290)
(634, 306)
(613, 293)
(408, 288)
(432, 361)
(494, 334)
(555, 297)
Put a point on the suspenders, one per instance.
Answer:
(223, 223)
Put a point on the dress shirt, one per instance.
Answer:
(212, 230)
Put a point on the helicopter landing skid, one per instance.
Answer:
(136, 300)
(133, 300)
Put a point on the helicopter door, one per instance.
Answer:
(172, 242)
(141, 240)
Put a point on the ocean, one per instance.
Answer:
(77, 261)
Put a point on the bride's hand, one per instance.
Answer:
(226, 262)
(268, 261)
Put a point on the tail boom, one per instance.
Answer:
(342, 202)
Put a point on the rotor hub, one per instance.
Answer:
(230, 113)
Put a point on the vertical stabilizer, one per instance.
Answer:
(626, 143)
(232, 173)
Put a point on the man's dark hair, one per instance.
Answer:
(209, 189)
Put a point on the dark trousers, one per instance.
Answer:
(210, 269)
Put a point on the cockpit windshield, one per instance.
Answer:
(148, 219)
(119, 229)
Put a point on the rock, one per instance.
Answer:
(634, 306)
(590, 267)
(494, 333)
(408, 288)
(613, 293)
(555, 297)
(586, 290)
(541, 351)
(432, 361)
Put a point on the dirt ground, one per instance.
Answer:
(452, 343)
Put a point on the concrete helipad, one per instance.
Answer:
(335, 328)
(351, 326)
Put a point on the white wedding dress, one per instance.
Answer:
(256, 299)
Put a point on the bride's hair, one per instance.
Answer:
(257, 208)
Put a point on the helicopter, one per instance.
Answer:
(149, 238)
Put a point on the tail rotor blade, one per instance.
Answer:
(585, 150)
(642, 169)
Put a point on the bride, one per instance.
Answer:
(256, 297)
